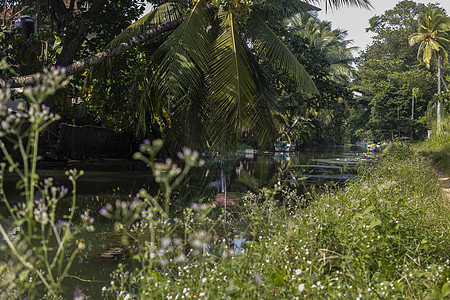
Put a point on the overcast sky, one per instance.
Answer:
(356, 20)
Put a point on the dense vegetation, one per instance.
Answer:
(159, 90)
(263, 69)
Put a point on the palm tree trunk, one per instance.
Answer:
(5, 12)
(412, 114)
(97, 58)
(438, 122)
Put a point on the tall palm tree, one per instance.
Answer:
(330, 43)
(433, 30)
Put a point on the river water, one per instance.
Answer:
(230, 175)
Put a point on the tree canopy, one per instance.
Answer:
(203, 76)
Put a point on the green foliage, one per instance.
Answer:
(205, 87)
(387, 75)
(326, 56)
(21, 54)
(433, 35)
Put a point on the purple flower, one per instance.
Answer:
(64, 191)
(103, 211)
(78, 294)
(60, 223)
(257, 278)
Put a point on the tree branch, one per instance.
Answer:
(97, 58)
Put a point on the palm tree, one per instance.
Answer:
(330, 43)
(433, 29)
(211, 76)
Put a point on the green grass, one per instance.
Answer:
(438, 149)
(386, 236)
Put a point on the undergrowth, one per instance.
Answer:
(384, 236)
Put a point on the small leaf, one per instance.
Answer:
(445, 290)
(375, 223)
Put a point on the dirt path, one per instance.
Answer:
(442, 176)
(445, 179)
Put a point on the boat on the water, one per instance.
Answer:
(373, 147)
(284, 146)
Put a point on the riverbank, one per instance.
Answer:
(437, 152)
(386, 235)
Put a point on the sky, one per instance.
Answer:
(356, 20)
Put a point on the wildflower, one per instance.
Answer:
(60, 223)
(257, 278)
(78, 295)
(301, 287)
(298, 272)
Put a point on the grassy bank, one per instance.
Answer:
(438, 149)
(385, 236)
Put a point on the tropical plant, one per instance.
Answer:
(433, 30)
(325, 54)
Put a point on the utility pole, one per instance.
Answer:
(438, 131)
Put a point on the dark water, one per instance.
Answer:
(107, 181)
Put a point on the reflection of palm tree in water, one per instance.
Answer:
(262, 176)
(221, 197)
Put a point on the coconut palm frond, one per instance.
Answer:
(337, 4)
(432, 34)
(184, 55)
(267, 43)
(264, 123)
(163, 14)
(281, 9)
(341, 72)
(416, 38)
(232, 87)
